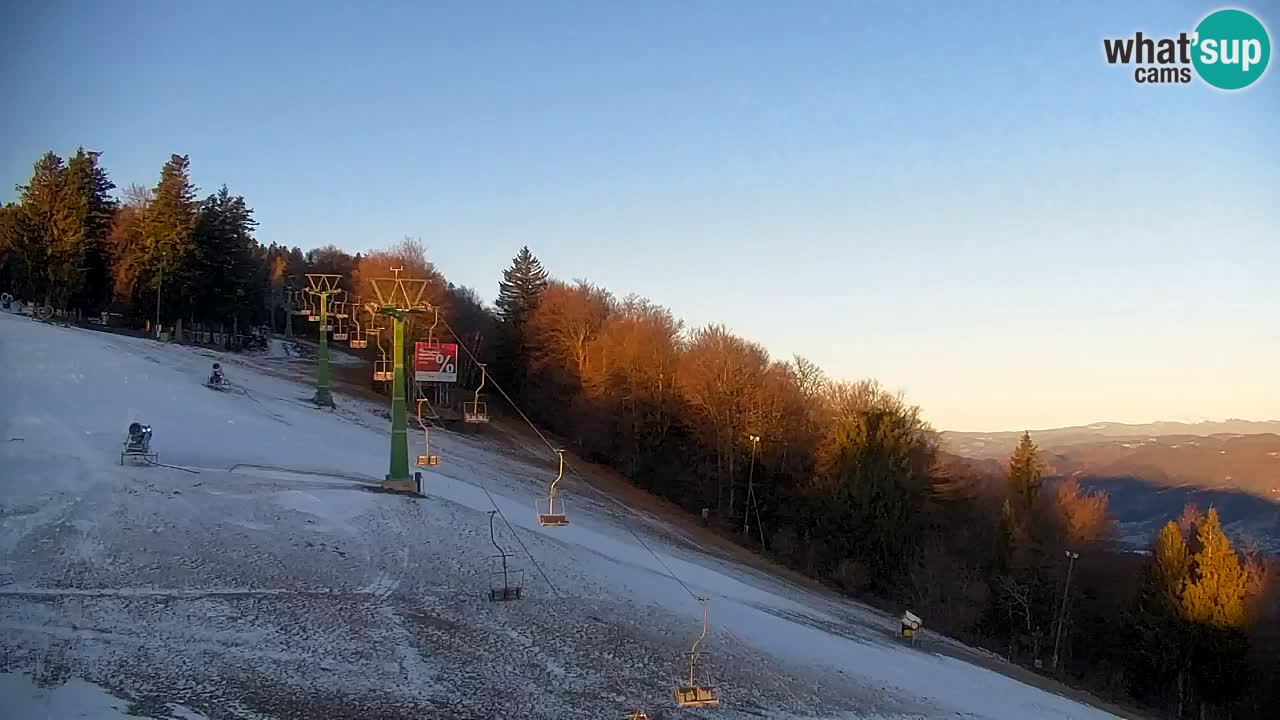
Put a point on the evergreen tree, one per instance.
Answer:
(39, 207)
(8, 246)
(1215, 586)
(521, 287)
(1026, 473)
(167, 236)
(1157, 636)
(1169, 565)
(81, 258)
(1213, 599)
(225, 279)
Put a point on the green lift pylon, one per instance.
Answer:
(397, 298)
(323, 286)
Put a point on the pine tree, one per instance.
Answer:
(1215, 587)
(167, 231)
(521, 287)
(1026, 473)
(1169, 564)
(39, 207)
(1157, 638)
(8, 245)
(224, 280)
(81, 257)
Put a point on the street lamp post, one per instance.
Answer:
(159, 285)
(288, 308)
(746, 512)
(1062, 607)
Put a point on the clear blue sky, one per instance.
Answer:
(961, 200)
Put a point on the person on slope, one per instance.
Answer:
(217, 378)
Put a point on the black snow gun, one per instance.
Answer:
(138, 444)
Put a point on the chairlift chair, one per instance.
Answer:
(299, 302)
(476, 411)
(427, 460)
(357, 341)
(505, 583)
(138, 444)
(699, 691)
(554, 517)
(636, 715)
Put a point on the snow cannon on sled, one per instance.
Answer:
(138, 445)
(218, 381)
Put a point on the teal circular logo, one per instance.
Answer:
(1231, 49)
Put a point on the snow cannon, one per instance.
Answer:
(138, 444)
(910, 625)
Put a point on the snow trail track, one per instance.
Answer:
(272, 584)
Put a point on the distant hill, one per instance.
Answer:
(1000, 444)
(1150, 471)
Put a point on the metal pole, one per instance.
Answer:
(288, 312)
(399, 424)
(746, 513)
(1062, 607)
(323, 395)
(158, 287)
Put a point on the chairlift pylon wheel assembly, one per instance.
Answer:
(505, 583)
(699, 691)
(553, 517)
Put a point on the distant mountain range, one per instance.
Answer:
(1151, 470)
(1000, 444)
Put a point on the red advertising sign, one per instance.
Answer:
(435, 362)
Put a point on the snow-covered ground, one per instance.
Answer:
(264, 579)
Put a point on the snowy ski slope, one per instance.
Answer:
(267, 581)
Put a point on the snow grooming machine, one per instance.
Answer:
(138, 445)
(700, 691)
(504, 583)
(552, 518)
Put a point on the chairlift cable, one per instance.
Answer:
(516, 535)
(670, 572)
(553, 449)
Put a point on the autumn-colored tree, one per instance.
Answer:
(410, 255)
(562, 328)
(633, 383)
(1082, 517)
(719, 376)
(125, 244)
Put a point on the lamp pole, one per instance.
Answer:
(159, 285)
(1062, 607)
(746, 513)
